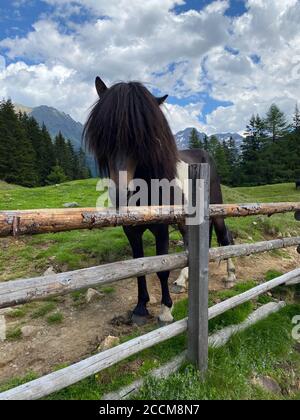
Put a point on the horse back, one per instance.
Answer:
(188, 157)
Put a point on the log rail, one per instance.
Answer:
(29, 222)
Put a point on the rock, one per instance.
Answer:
(49, 271)
(108, 343)
(71, 205)
(93, 295)
(267, 383)
(28, 331)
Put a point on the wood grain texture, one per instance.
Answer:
(16, 292)
(198, 271)
(25, 290)
(29, 222)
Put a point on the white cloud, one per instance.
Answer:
(2, 63)
(180, 117)
(55, 86)
(181, 55)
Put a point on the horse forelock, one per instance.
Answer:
(127, 122)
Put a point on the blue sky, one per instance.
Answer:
(216, 59)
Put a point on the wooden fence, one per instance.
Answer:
(197, 259)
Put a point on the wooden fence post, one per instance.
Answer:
(198, 268)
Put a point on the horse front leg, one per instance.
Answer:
(161, 233)
(135, 237)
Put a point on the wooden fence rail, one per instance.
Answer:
(29, 222)
(16, 292)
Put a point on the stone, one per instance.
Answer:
(268, 384)
(93, 295)
(108, 343)
(50, 271)
(28, 331)
(71, 205)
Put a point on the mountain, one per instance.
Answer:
(56, 122)
(183, 137)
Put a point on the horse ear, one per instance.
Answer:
(161, 100)
(100, 86)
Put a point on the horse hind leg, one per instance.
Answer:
(181, 284)
(225, 239)
(231, 279)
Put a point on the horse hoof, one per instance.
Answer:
(177, 290)
(229, 284)
(140, 321)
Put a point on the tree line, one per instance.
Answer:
(269, 153)
(28, 155)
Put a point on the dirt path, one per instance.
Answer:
(84, 327)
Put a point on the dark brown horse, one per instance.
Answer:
(127, 131)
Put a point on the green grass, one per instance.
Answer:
(19, 198)
(265, 349)
(43, 310)
(56, 318)
(108, 290)
(14, 334)
(16, 313)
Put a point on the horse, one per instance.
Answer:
(128, 131)
(298, 184)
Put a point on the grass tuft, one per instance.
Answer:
(56, 318)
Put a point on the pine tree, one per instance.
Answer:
(206, 143)
(17, 154)
(276, 123)
(221, 159)
(57, 176)
(233, 153)
(251, 148)
(296, 120)
(213, 144)
(194, 140)
(47, 155)
(83, 171)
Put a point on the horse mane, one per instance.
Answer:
(127, 121)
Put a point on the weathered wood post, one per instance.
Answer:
(199, 192)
